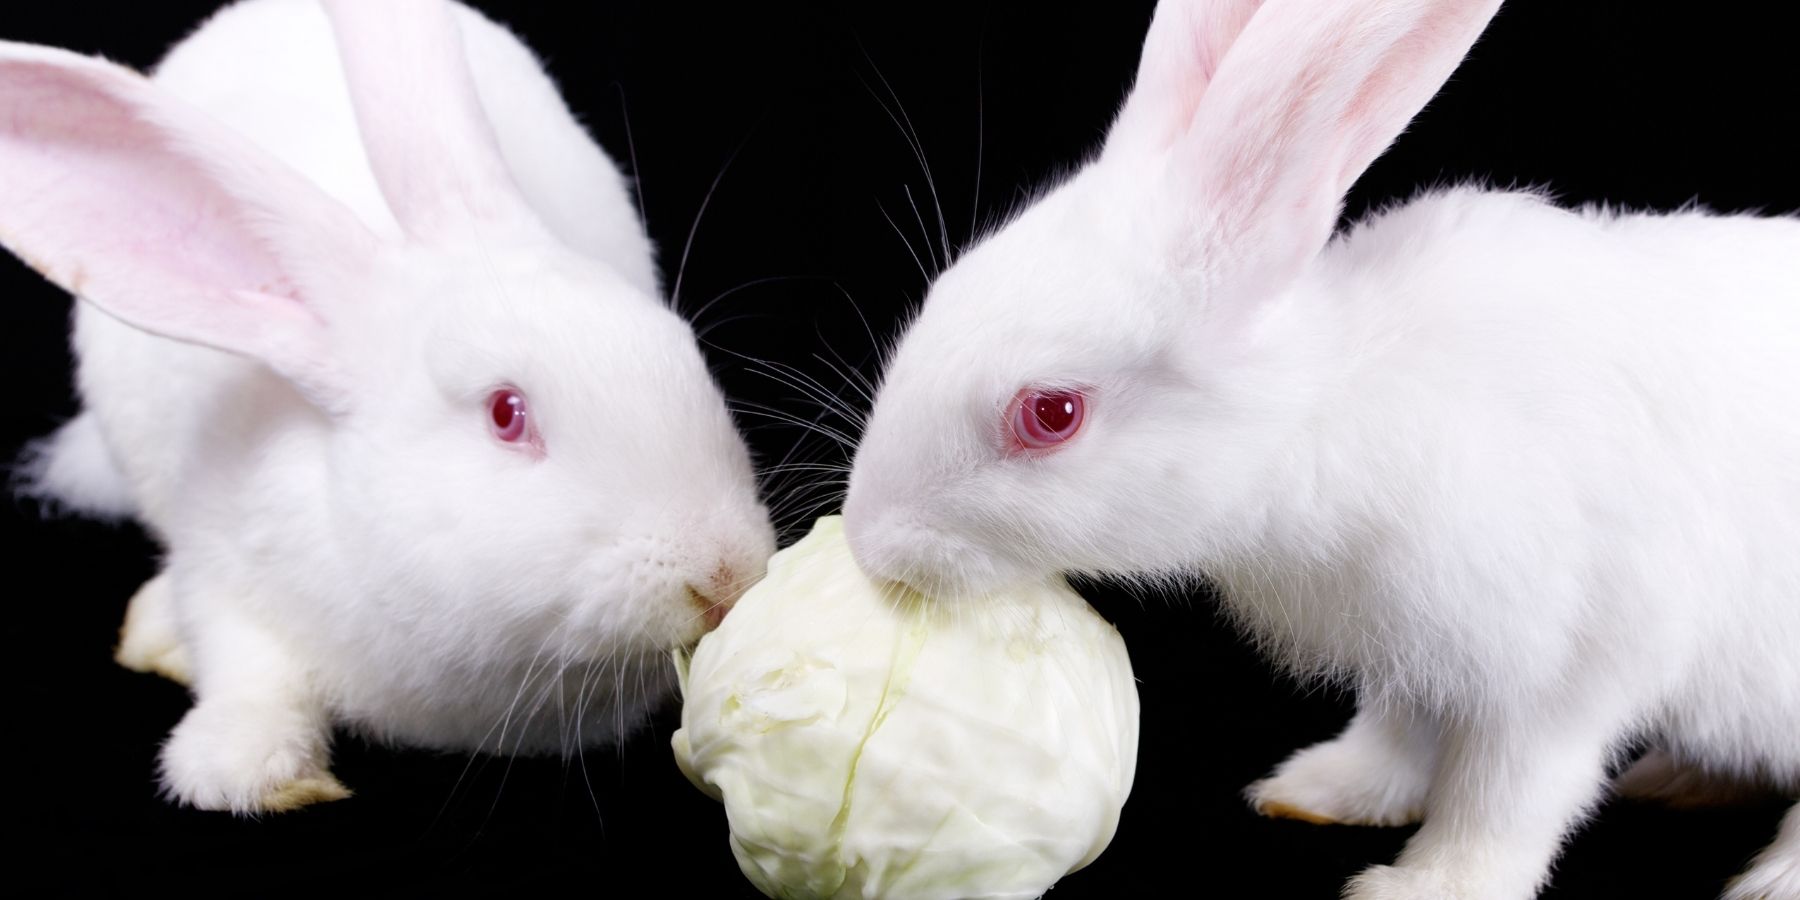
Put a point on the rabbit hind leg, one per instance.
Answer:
(150, 639)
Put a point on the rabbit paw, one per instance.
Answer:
(1768, 879)
(1775, 873)
(1660, 778)
(248, 759)
(149, 640)
(1408, 883)
(1344, 782)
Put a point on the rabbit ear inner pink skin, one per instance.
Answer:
(161, 235)
(1528, 477)
(347, 539)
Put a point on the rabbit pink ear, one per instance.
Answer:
(1305, 97)
(1182, 51)
(160, 217)
(429, 142)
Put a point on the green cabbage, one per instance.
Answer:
(869, 743)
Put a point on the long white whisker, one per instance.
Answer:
(688, 246)
(909, 246)
(637, 182)
(911, 135)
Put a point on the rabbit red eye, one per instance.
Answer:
(507, 414)
(1044, 419)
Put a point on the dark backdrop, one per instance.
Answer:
(1643, 104)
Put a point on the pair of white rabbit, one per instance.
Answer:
(1527, 478)
(372, 343)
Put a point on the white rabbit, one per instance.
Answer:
(429, 456)
(1527, 477)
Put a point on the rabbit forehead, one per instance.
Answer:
(483, 310)
(1065, 295)
(1068, 285)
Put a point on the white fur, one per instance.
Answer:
(1529, 478)
(73, 468)
(347, 542)
(1775, 875)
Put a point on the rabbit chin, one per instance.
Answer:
(553, 666)
(577, 690)
(567, 706)
(890, 546)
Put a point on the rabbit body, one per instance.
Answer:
(1527, 478)
(1535, 513)
(369, 554)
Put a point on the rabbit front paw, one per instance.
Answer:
(1409, 883)
(248, 759)
(1344, 781)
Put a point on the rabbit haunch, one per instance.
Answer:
(1529, 478)
(308, 253)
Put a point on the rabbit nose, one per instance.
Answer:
(718, 593)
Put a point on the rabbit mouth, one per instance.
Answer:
(712, 611)
(700, 615)
(923, 557)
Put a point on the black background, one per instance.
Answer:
(1646, 105)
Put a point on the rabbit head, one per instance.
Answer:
(1106, 384)
(524, 453)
